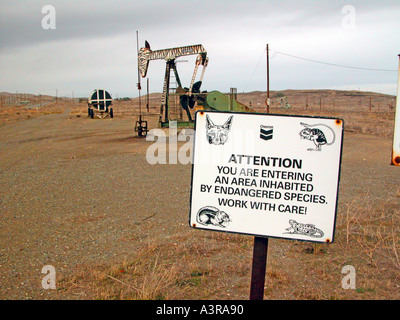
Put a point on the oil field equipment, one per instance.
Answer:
(141, 125)
(188, 97)
(218, 101)
(99, 104)
(283, 102)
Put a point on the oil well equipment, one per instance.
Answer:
(99, 104)
(188, 96)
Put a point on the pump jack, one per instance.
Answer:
(187, 96)
(141, 124)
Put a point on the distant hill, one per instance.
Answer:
(311, 99)
(332, 99)
(340, 100)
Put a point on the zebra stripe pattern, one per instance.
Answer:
(145, 55)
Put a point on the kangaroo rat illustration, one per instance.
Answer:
(217, 134)
(316, 135)
(212, 216)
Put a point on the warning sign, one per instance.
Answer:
(266, 175)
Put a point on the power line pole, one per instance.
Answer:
(267, 101)
(370, 104)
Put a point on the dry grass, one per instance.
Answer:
(146, 277)
(217, 266)
(10, 114)
(377, 123)
(175, 270)
(210, 265)
(375, 232)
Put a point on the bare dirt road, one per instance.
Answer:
(74, 190)
(77, 192)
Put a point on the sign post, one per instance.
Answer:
(259, 266)
(268, 176)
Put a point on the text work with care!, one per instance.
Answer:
(266, 175)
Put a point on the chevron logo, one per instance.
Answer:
(266, 132)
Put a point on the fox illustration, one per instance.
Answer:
(217, 134)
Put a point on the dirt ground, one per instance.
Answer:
(78, 194)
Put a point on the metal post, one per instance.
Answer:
(232, 97)
(370, 104)
(166, 90)
(147, 98)
(258, 269)
(268, 100)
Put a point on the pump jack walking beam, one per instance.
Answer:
(169, 55)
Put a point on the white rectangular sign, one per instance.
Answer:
(396, 133)
(266, 175)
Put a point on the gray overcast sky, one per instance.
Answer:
(94, 44)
